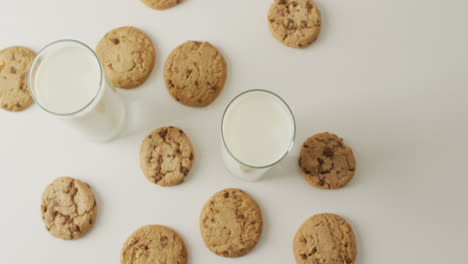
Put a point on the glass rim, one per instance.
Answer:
(291, 143)
(35, 61)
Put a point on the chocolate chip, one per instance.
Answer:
(309, 6)
(150, 136)
(199, 101)
(13, 70)
(90, 221)
(328, 152)
(214, 88)
(191, 156)
(145, 247)
(170, 83)
(196, 83)
(18, 105)
(160, 159)
(226, 195)
(43, 208)
(181, 131)
(300, 45)
(321, 183)
(184, 170)
(281, 2)
(158, 176)
(303, 256)
(253, 222)
(304, 23)
(116, 41)
(164, 240)
(188, 72)
(177, 98)
(294, 3)
(23, 76)
(163, 133)
(348, 261)
(75, 229)
(320, 161)
(313, 251)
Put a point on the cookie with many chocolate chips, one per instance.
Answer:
(325, 238)
(161, 4)
(231, 223)
(14, 68)
(127, 55)
(195, 73)
(68, 208)
(153, 244)
(295, 23)
(326, 162)
(166, 156)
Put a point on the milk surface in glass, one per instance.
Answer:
(258, 130)
(68, 81)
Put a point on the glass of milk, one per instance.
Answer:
(257, 130)
(66, 79)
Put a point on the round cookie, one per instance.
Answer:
(295, 23)
(154, 244)
(231, 223)
(127, 55)
(14, 68)
(166, 156)
(161, 4)
(326, 162)
(68, 208)
(325, 238)
(195, 73)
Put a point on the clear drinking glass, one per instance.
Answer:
(253, 114)
(102, 114)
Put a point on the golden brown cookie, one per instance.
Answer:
(325, 238)
(166, 156)
(153, 244)
(326, 162)
(127, 55)
(295, 23)
(68, 208)
(231, 223)
(161, 4)
(14, 68)
(195, 73)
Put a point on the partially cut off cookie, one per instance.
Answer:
(153, 244)
(14, 88)
(325, 238)
(161, 4)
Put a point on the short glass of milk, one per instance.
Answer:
(67, 80)
(257, 130)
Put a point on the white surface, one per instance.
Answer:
(388, 76)
(258, 128)
(67, 80)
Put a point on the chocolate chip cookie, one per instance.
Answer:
(326, 162)
(195, 73)
(68, 208)
(154, 244)
(231, 223)
(295, 23)
(127, 55)
(166, 156)
(14, 88)
(325, 238)
(161, 4)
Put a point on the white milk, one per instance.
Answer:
(258, 130)
(67, 82)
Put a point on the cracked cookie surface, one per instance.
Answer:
(161, 4)
(231, 223)
(195, 73)
(68, 208)
(14, 88)
(127, 55)
(326, 162)
(295, 23)
(325, 238)
(154, 244)
(166, 156)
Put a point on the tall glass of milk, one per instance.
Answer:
(66, 79)
(257, 130)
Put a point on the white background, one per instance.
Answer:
(390, 77)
